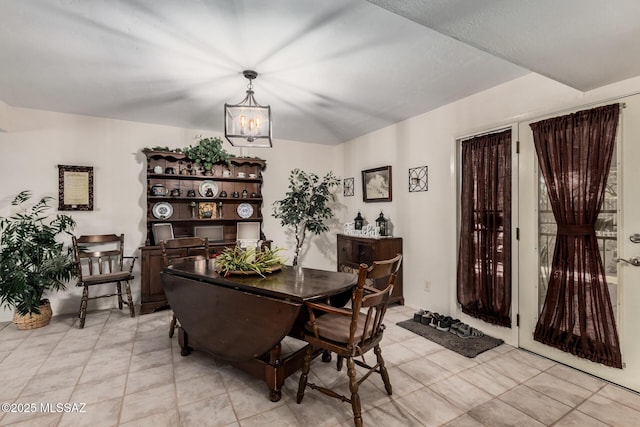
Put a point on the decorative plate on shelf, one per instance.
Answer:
(245, 210)
(206, 185)
(162, 210)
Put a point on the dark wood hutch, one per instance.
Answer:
(177, 195)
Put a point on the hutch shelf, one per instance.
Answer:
(180, 197)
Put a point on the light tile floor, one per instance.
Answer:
(129, 373)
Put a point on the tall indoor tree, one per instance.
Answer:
(305, 207)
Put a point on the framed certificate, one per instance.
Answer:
(75, 188)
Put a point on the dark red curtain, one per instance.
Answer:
(574, 153)
(484, 255)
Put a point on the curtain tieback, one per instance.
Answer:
(576, 229)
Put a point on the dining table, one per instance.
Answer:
(243, 317)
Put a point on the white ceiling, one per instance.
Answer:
(331, 70)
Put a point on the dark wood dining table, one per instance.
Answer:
(243, 319)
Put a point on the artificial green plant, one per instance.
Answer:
(33, 260)
(305, 207)
(207, 152)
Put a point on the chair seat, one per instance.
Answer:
(106, 278)
(336, 328)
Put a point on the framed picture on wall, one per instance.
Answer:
(75, 188)
(376, 184)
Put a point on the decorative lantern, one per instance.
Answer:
(358, 221)
(248, 124)
(382, 223)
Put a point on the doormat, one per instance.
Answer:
(469, 347)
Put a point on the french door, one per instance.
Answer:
(509, 335)
(619, 219)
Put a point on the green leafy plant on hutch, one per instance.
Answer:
(207, 152)
(305, 207)
(33, 259)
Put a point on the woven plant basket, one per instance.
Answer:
(32, 320)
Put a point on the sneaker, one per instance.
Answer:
(455, 324)
(435, 318)
(466, 331)
(417, 317)
(426, 317)
(444, 323)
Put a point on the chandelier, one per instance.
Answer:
(248, 124)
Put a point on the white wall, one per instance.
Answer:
(4, 120)
(37, 141)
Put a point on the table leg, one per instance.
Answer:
(274, 374)
(183, 341)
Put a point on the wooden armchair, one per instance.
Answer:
(350, 333)
(100, 260)
(183, 249)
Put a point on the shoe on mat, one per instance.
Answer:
(426, 317)
(455, 324)
(466, 331)
(417, 317)
(435, 318)
(444, 323)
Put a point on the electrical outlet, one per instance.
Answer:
(427, 286)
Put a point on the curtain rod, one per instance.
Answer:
(569, 110)
(623, 105)
(489, 132)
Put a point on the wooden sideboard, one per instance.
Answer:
(354, 250)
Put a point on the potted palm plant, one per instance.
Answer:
(33, 260)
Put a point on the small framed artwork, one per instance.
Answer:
(207, 210)
(348, 184)
(418, 179)
(75, 188)
(376, 184)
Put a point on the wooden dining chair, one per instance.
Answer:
(350, 333)
(183, 249)
(100, 260)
